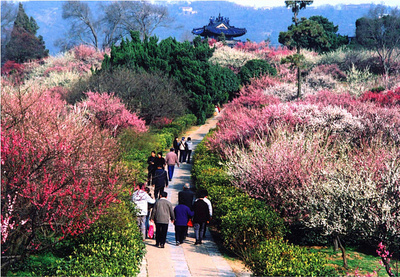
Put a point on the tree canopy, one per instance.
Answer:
(23, 44)
(202, 82)
(380, 31)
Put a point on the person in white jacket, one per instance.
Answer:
(141, 198)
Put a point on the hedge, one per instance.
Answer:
(250, 228)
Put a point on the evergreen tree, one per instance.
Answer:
(204, 84)
(24, 45)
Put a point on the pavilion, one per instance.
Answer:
(218, 27)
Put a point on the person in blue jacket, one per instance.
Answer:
(182, 216)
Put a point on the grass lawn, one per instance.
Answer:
(357, 261)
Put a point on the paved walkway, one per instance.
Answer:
(186, 259)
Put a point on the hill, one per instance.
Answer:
(261, 23)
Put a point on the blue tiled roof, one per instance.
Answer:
(217, 26)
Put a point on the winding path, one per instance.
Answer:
(186, 259)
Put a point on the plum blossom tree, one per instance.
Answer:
(357, 194)
(110, 113)
(57, 171)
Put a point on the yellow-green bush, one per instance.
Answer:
(112, 247)
(276, 257)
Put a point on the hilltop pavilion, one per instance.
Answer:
(218, 26)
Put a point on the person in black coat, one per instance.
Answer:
(160, 181)
(200, 218)
(151, 168)
(176, 145)
(186, 196)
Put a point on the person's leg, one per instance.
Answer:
(158, 234)
(180, 155)
(204, 230)
(171, 171)
(189, 152)
(181, 234)
(196, 227)
(177, 234)
(141, 220)
(185, 234)
(164, 230)
(184, 156)
(201, 231)
(156, 192)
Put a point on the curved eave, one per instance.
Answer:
(206, 31)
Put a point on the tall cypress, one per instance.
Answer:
(24, 45)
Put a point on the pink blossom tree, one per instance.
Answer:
(57, 171)
(110, 113)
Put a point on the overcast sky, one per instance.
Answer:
(274, 3)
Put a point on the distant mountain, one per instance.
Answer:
(261, 23)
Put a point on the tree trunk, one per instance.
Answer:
(335, 244)
(343, 252)
(298, 76)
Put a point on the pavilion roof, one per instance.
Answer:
(219, 25)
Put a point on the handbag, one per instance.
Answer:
(150, 233)
(190, 223)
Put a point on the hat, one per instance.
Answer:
(183, 137)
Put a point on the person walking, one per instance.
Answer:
(149, 209)
(151, 168)
(187, 196)
(200, 218)
(182, 216)
(204, 195)
(175, 144)
(161, 214)
(189, 148)
(141, 200)
(159, 161)
(160, 181)
(182, 150)
(171, 159)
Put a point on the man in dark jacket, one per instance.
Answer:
(200, 218)
(186, 196)
(151, 168)
(160, 181)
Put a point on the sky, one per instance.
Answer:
(274, 3)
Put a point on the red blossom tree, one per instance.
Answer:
(57, 171)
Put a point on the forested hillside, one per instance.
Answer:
(261, 24)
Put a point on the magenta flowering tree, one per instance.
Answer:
(110, 113)
(57, 174)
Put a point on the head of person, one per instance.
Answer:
(163, 194)
(189, 138)
(153, 153)
(171, 149)
(183, 138)
(186, 186)
(141, 186)
(201, 193)
(176, 138)
(159, 154)
(146, 189)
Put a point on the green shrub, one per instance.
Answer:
(112, 247)
(249, 223)
(255, 68)
(44, 264)
(275, 257)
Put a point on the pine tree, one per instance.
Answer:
(24, 45)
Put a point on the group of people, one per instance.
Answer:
(157, 176)
(191, 209)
